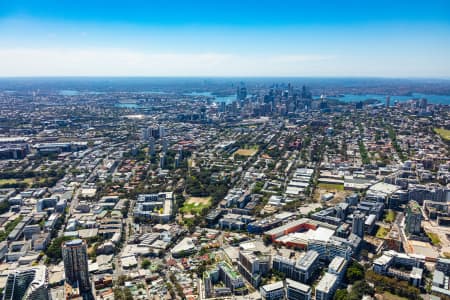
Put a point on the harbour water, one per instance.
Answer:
(434, 99)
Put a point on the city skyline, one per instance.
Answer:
(382, 39)
(252, 150)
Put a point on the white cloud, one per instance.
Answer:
(125, 62)
(301, 58)
(128, 62)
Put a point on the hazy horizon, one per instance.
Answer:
(405, 39)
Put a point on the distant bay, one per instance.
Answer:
(434, 99)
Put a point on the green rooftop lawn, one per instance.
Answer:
(434, 238)
(390, 216)
(382, 232)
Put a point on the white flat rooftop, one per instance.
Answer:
(321, 234)
(385, 188)
(326, 283)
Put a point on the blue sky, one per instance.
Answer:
(225, 38)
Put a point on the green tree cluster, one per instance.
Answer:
(393, 137)
(122, 294)
(393, 285)
(354, 272)
(4, 207)
(145, 264)
(364, 156)
(9, 228)
(53, 251)
(359, 289)
(341, 295)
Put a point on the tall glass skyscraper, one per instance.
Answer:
(75, 258)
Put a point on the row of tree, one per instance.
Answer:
(393, 285)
